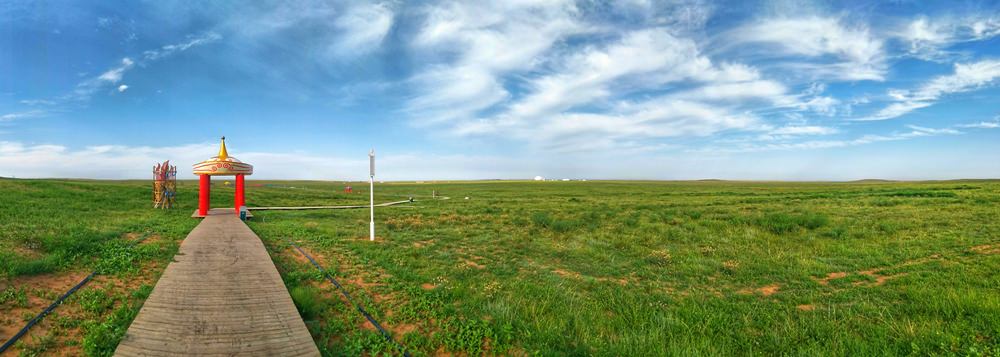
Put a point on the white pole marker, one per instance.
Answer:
(371, 193)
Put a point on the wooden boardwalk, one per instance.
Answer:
(221, 296)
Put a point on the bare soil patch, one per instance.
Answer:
(831, 276)
(986, 249)
(473, 264)
(766, 290)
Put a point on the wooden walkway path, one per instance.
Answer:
(221, 296)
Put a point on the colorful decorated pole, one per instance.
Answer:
(164, 185)
(371, 193)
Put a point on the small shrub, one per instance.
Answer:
(17, 297)
(781, 223)
(94, 301)
(307, 302)
(838, 232)
(541, 219)
(101, 339)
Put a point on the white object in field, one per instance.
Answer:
(539, 178)
(565, 179)
(371, 193)
(466, 197)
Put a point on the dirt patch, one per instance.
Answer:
(401, 329)
(766, 290)
(378, 239)
(413, 221)
(473, 264)
(831, 276)
(396, 330)
(423, 243)
(986, 249)
(451, 218)
(567, 273)
(877, 276)
(879, 279)
(59, 282)
(769, 289)
(427, 286)
(619, 281)
(26, 252)
(299, 257)
(361, 283)
(806, 307)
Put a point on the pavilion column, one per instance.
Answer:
(204, 194)
(239, 199)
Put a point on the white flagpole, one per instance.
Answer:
(371, 192)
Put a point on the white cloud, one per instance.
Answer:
(167, 50)
(914, 132)
(37, 102)
(136, 162)
(628, 125)
(364, 27)
(85, 89)
(114, 75)
(804, 130)
(122, 88)
(967, 77)
(645, 58)
(22, 115)
(857, 54)
(985, 28)
(982, 125)
(928, 38)
(473, 45)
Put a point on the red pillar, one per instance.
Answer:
(239, 199)
(204, 194)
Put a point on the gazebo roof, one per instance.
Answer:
(223, 164)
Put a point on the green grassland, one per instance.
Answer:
(566, 268)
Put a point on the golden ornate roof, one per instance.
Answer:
(223, 164)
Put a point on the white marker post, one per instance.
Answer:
(371, 192)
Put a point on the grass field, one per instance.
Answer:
(550, 268)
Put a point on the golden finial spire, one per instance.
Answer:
(222, 150)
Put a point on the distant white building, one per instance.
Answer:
(565, 179)
(539, 178)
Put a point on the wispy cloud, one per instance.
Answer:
(487, 41)
(982, 125)
(967, 77)
(913, 132)
(125, 162)
(817, 47)
(929, 38)
(109, 79)
(22, 115)
(363, 27)
(37, 102)
(168, 50)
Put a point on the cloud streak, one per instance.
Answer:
(966, 77)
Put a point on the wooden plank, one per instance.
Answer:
(222, 296)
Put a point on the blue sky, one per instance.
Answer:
(506, 89)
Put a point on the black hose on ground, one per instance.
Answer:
(368, 316)
(59, 301)
(24, 330)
